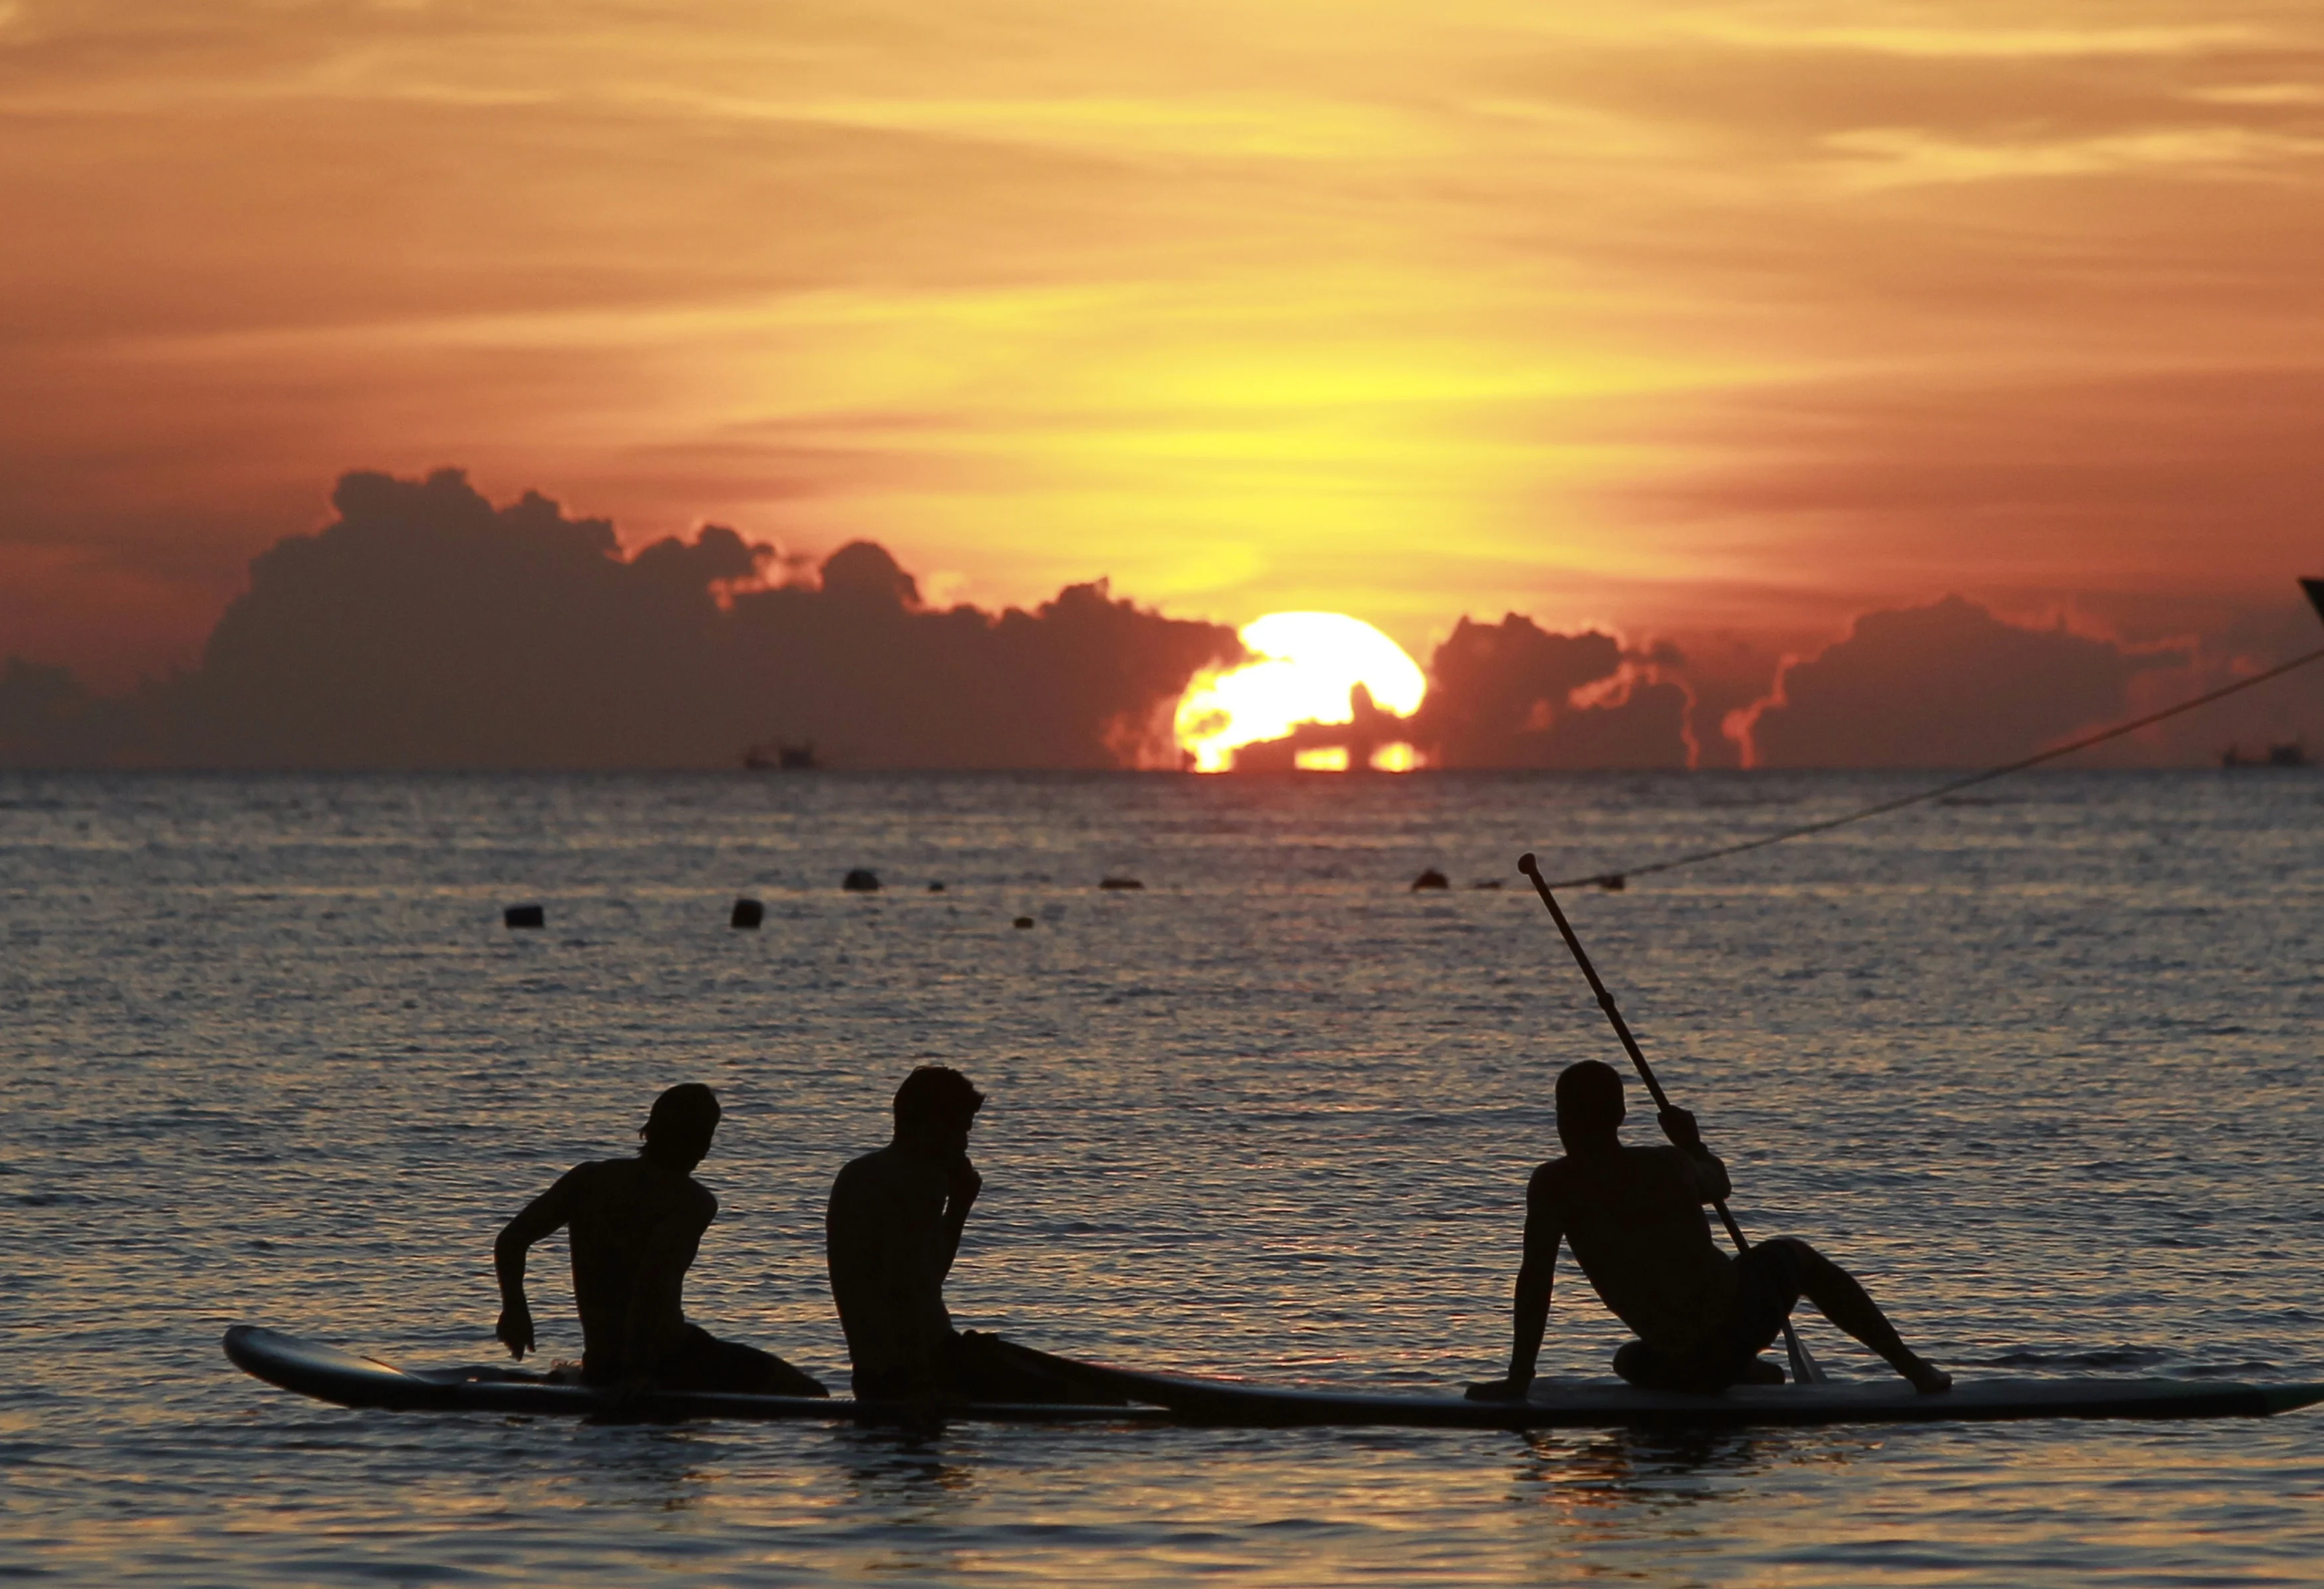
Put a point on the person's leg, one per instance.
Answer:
(1766, 1288)
(1838, 1297)
(985, 1368)
(708, 1364)
(1638, 1364)
(872, 1384)
(771, 1375)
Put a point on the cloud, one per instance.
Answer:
(1792, 96)
(45, 715)
(425, 627)
(1947, 685)
(2239, 642)
(1514, 695)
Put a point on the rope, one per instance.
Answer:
(1617, 880)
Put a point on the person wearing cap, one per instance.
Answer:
(634, 1225)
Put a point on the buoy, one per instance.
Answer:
(1024, 921)
(747, 913)
(1121, 882)
(935, 888)
(1431, 878)
(525, 916)
(861, 881)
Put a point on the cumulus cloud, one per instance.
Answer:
(1516, 695)
(45, 715)
(426, 628)
(1949, 684)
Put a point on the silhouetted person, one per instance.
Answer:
(1634, 1218)
(634, 1225)
(891, 1234)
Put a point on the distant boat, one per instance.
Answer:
(774, 756)
(2287, 754)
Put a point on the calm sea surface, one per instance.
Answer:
(2044, 1068)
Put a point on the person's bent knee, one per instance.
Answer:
(1805, 1261)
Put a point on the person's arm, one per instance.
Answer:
(962, 1184)
(1711, 1181)
(542, 1216)
(1537, 1277)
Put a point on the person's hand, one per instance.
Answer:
(1503, 1389)
(1678, 1125)
(962, 1183)
(515, 1329)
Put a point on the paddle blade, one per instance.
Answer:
(2315, 589)
(1805, 1370)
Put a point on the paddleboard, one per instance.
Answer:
(331, 1374)
(1582, 1404)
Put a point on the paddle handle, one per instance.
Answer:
(1532, 868)
(1803, 1367)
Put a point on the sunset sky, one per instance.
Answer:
(1688, 320)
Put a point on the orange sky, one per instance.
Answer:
(1745, 316)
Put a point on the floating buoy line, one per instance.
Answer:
(748, 912)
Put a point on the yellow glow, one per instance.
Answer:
(1398, 757)
(1307, 665)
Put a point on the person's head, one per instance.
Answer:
(1589, 1105)
(678, 1131)
(934, 1108)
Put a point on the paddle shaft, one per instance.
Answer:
(1803, 1365)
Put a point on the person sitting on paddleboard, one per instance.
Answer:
(1634, 1218)
(891, 1235)
(636, 1224)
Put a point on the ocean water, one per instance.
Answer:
(2043, 1068)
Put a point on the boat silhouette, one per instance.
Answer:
(2288, 754)
(774, 756)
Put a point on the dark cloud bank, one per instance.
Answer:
(424, 627)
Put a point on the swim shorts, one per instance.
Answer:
(1767, 1281)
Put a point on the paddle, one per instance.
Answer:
(1803, 1367)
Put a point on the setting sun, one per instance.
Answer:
(1306, 669)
